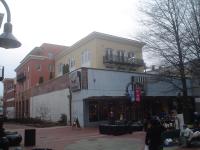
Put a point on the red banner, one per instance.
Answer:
(137, 94)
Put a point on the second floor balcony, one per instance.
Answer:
(21, 77)
(122, 60)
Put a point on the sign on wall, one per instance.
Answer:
(135, 88)
(75, 81)
(137, 94)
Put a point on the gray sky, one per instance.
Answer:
(64, 22)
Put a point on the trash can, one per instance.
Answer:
(29, 137)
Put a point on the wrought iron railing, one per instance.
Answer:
(21, 77)
(114, 59)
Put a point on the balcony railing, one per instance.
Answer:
(114, 59)
(21, 77)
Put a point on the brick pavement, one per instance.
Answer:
(66, 138)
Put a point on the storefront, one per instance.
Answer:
(98, 108)
(130, 96)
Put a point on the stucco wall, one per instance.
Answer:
(113, 83)
(51, 105)
(10, 112)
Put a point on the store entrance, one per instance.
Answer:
(123, 109)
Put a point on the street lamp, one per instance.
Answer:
(7, 39)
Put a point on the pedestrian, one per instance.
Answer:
(146, 121)
(112, 117)
(196, 120)
(154, 135)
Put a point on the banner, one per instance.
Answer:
(137, 94)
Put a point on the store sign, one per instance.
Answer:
(75, 81)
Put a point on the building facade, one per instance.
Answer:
(37, 67)
(9, 88)
(89, 94)
(102, 51)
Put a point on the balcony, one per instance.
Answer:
(21, 77)
(126, 61)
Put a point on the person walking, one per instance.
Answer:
(154, 135)
(112, 116)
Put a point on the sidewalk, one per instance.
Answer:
(66, 138)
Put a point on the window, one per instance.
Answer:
(130, 54)
(50, 75)
(50, 55)
(50, 68)
(38, 67)
(28, 69)
(85, 58)
(41, 80)
(72, 63)
(60, 68)
(131, 57)
(28, 83)
(109, 52)
(120, 55)
(10, 86)
(98, 111)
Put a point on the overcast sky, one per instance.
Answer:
(64, 22)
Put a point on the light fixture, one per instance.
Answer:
(7, 39)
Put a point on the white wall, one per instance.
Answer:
(77, 107)
(112, 83)
(10, 112)
(50, 106)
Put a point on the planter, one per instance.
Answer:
(119, 129)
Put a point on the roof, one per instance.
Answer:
(98, 35)
(35, 53)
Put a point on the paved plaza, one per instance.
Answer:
(66, 138)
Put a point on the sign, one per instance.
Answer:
(130, 92)
(75, 81)
(137, 94)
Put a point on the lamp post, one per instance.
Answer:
(7, 41)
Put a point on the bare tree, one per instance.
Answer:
(43, 111)
(166, 35)
(192, 40)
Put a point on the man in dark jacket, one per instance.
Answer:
(154, 135)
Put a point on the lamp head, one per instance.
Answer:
(7, 39)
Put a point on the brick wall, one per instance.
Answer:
(56, 84)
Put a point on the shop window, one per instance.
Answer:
(98, 111)
(93, 111)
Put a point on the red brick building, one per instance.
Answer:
(9, 86)
(37, 67)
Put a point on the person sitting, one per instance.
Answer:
(187, 135)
